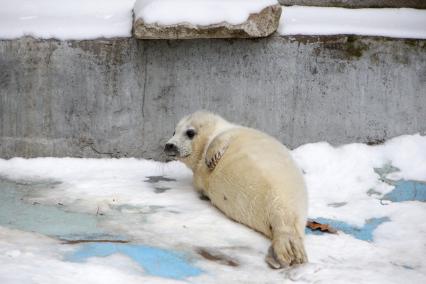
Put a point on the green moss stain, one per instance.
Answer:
(342, 47)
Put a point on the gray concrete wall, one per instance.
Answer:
(122, 97)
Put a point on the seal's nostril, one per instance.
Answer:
(171, 148)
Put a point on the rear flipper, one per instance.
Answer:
(286, 250)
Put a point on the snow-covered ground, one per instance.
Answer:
(90, 19)
(66, 220)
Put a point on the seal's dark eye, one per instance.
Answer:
(190, 133)
(174, 132)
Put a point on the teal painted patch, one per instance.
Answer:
(364, 233)
(49, 220)
(407, 190)
(155, 261)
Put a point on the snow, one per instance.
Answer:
(91, 19)
(198, 12)
(122, 196)
(399, 23)
(63, 19)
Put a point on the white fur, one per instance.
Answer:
(252, 179)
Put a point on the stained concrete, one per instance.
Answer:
(122, 97)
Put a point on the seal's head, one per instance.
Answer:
(191, 136)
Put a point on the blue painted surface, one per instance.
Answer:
(406, 190)
(155, 261)
(364, 233)
(51, 220)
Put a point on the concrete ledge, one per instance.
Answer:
(260, 24)
(123, 97)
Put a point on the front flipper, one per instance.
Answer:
(217, 148)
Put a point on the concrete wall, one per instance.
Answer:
(123, 97)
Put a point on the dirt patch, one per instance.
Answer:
(217, 257)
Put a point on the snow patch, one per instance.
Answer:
(198, 12)
(91, 19)
(399, 23)
(346, 174)
(61, 19)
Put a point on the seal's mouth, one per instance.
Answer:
(173, 152)
(168, 157)
(175, 157)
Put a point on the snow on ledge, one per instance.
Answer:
(399, 23)
(198, 12)
(65, 19)
(90, 19)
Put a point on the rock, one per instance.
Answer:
(259, 24)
